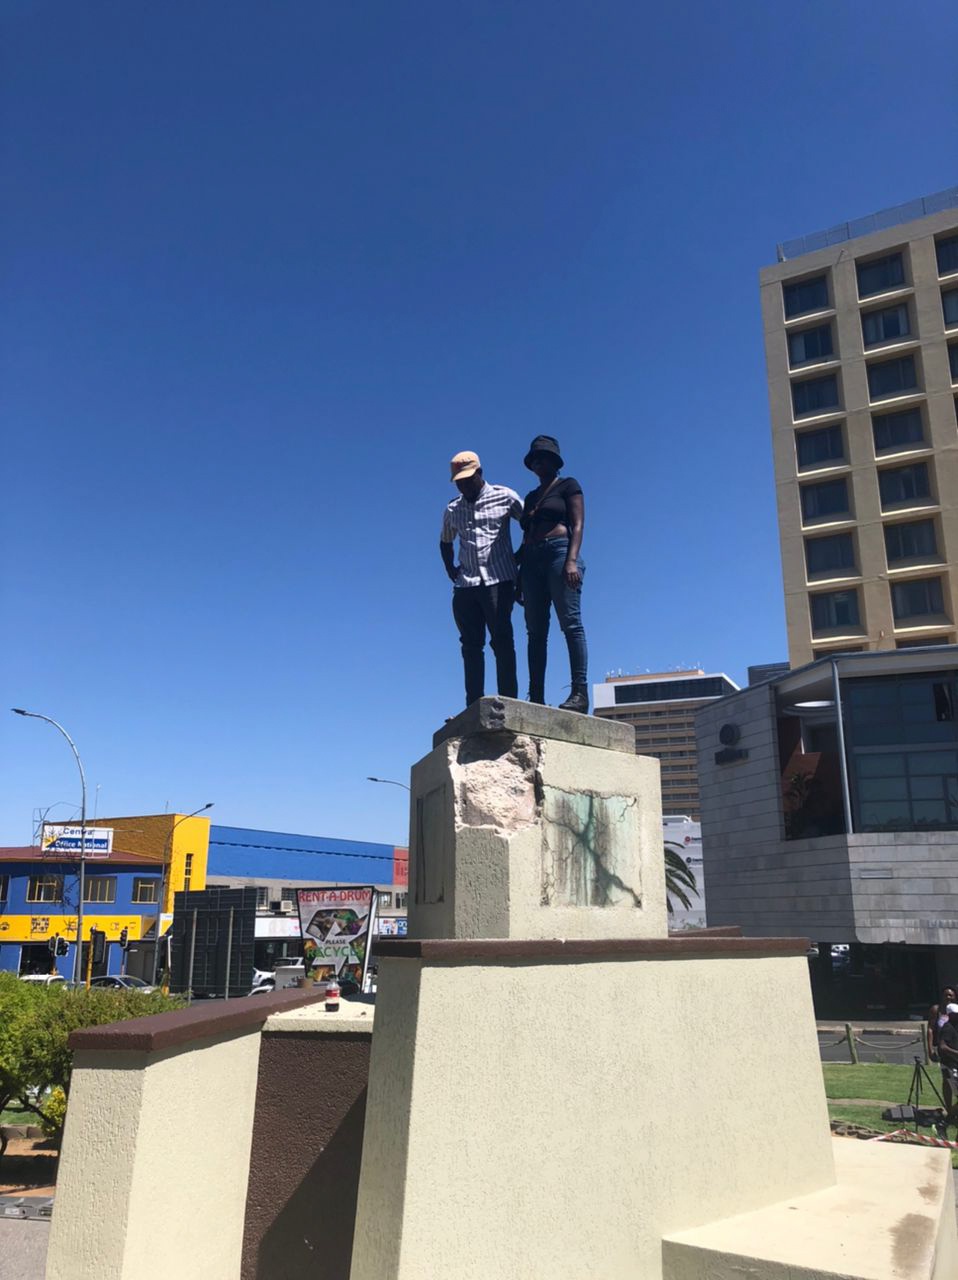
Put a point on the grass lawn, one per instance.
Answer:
(18, 1117)
(880, 1081)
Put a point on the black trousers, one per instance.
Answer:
(475, 610)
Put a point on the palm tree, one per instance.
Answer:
(679, 877)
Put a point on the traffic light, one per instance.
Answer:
(98, 942)
(62, 946)
(124, 938)
(52, 943)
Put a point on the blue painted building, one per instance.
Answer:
(39, 897)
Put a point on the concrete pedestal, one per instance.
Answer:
(557, 1088)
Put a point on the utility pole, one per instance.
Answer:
(35, 715)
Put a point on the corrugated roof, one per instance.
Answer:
(33, 853)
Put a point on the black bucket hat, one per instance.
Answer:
(544, 444)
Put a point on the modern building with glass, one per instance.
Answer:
(861, 345)
(830, 811)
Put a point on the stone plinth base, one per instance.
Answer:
(528, 822)
(549, 1109)
(890, 1216)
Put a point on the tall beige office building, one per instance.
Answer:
(861, 341)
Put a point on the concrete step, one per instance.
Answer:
(890, 1216)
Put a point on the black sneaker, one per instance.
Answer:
(578, 700)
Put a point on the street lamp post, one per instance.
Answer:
(168, 848)
(392, 782)
(35, 715)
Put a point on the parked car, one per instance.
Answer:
(46, 978)
(121, 982)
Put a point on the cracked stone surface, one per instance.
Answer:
(497, 783)
(585, 842)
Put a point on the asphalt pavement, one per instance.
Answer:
(23, 1248)
(873, 1044)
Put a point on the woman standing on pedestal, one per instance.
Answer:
(551, 572)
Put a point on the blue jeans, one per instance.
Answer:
(544, 584)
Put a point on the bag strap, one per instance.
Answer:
(530, 515)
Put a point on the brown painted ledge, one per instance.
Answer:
(200, 1021)
(714, 946)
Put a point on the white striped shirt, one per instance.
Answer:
(485, 539)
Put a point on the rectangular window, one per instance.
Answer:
(401, 899)
(187, 872)
(953, 362)
(885, 325)
(949, 307)
(804, 296)
(45, 889)
(830, 498)
(810, 344)
(145, 889)
(262, 897)
(829, 555)
(815, 395)
(911, 540)
(385, 900)
(918, 599)
(820, 447)
(880, 274)
(287, 896)
(947, 254)
(904, 484)
(99, 889)
(922, 642)
(892, 377)
(832, 609)
(4, 887)
(897, 430)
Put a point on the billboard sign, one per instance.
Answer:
(337, 926)
(60, 838)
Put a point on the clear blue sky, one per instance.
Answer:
(267, 266)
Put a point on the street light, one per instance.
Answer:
(159, 902)
(35, 715)
(392, 781)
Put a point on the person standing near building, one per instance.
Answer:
(948, 1057)
(484, 581)
(553, 519)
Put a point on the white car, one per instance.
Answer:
(121, 982)
(45, 978)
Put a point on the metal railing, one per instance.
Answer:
(849, 1038)
(880, 221)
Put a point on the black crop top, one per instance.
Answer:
(554, 507)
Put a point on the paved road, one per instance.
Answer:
(23, 1248)
(878, 1047)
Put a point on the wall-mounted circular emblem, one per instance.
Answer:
(729, 734)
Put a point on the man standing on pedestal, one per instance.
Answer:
(484, 582)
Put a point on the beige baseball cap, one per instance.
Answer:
(464, 464)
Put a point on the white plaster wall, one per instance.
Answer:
(557, 1119)
(155, 1163)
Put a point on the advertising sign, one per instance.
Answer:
(337, 927)
(59, 838)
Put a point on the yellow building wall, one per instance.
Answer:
(40, 928)
(154, 834)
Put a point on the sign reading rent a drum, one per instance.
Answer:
(337, 925)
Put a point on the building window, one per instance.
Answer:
(902, 735)
(880, 274)
(885, 325)
(828, 498)
(262, 897)
(385, 900)
(804, 296)
(832, 609)
(923, 642)
(949, 307)
(829, 555)
(287, 896)
(145, 889)
(903, 484)
(897, 430)
(892, 377)
(45, 889)
(910, 541)
(815, 395)
(810, 344)
(4, 887)
(920, 598)
(820, 447)
(947, 254)
(187, 872)
(401, 899)
(953, 362)
(99, 889)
